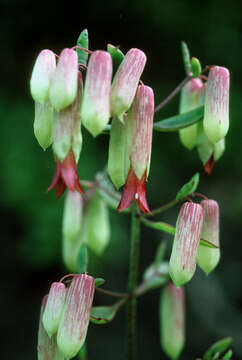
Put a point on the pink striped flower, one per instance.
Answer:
(208, 258)
(126, 81)
(172, 320)
(182, 263)
(47, 347)
(76, 314)
(53, 308)
(63, 87)
(95, 112)
(139, 125)
(216, 111)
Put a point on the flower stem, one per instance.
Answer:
(132, 283)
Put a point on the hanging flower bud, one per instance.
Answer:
(71, 229)
(189, 101)
(95, 111)
(64, 83)
(43, 123)
(216, 111)
(67, 144)
(42, 74)
(172, 320)
(182, 263)
(208, 258)
(47, 347)
(116, 153)
(97, 227)
(139, 125)
(75, 316)
(126, 81)
(54, 307)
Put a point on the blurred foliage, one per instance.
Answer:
(31, 219)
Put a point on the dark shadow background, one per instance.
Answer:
(31, 220)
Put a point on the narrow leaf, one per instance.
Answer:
(159, 225)
(228, 355)
(208, 244)
(99, 282)
(102, 314)
(188, 188)
(82, 259)
(186, 58)
(180, 121)
(218, 347)
(116, 54)
(82, 42)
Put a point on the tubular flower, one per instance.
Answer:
(65, 176)
(139, 126)
(182, 263)
(125, 81)
(76, 314)
(216, 110)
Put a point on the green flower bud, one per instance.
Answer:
(97, 227)
(172, 320)
(71, 229)
(189, 101)
(53, 309)
(43, 123)
(95, 111)
(116, 153)
(42, 74)
(208, 258)
(63, 87)
(216, 111)
(182, 263)
(196, 67)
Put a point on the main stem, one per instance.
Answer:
(132, 283)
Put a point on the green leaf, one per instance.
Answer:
(180, 121)
(188, 188)
(228, 355)
(159, 225)
(82, 259)
(218, 347)
(99, 282)
(186, 58)
(116, 54)
(102, 314)
(160, 252)
(208, 244)
(82, 42)
(154, 277)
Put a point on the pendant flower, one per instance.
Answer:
(65, 176)
(139, 125)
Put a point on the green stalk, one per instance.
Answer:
(132, 283)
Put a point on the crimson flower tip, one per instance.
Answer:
(134, 189)
(65, 176)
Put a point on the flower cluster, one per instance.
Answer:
(195, 221)
(208, 136)
(62, 105)
(64, 318)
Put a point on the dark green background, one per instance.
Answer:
(31, 220)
